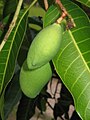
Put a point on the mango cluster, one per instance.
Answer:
(36, 70)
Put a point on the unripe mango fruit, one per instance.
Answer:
(32, 81)
(44, 46)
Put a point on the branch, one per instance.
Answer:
(64, 14)
(61, 6)
(12, 25)
(46, 4)
(61, 18)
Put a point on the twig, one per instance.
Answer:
(12, 25)
(64, 14)
(61, 18)
(46, 4)
(61, 6)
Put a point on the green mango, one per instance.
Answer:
(32, 81)
(44, 46)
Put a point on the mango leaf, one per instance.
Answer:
(12, 95)
(72, 62)
(51, 15)
(85, 2)
(1, 105)
(9, 53)
(74, 72)
(9, 7)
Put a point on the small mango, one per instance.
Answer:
(32, 81)
(44, 46)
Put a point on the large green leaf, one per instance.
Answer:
(85, 2)
(9, 53)
(9, 7)
(74, 72)
(73, 60)
(12, 95)
(52, 14)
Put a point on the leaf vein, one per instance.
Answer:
(78, 29)
(64, 49)
(86, 109)
(86, 52)
(52, 19)
(51, 12)
(84, 40)
(70, 65)
(83, 91)
(78, 78)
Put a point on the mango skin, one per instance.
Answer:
(44, 46)
(32, 81)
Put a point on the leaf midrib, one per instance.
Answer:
(81, 58)
(79, 50)
(11, 48)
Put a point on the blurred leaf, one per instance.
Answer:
(9, 7)
(40, 12)
(3, 25)
(9, 53)
(1, 105)
(26, 108)
(42, 105)
(85, 2)
(12, 95)
(1, 8)
(72, 61)
(35, 20)
(24, 47)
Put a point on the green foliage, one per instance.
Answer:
(1, 8)
(9, 7)
(12, 95)
(52, 14)
(71, 62)
(85, 2)
(11, 49)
